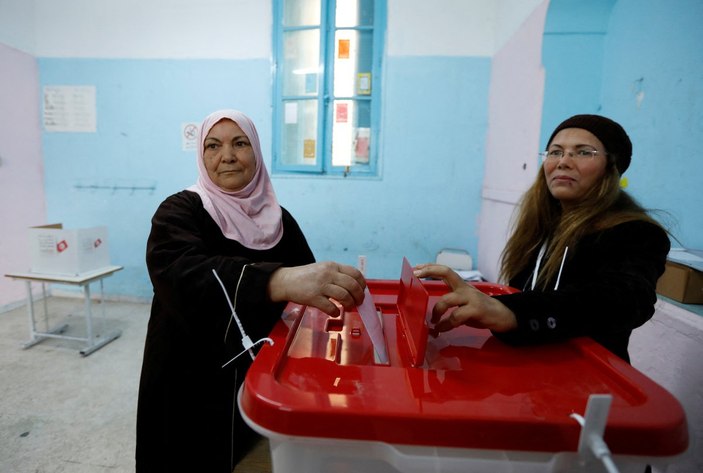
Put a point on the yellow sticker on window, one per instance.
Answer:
(363, 83)
(309, 149)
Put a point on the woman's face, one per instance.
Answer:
(570, 177)
(228, 156)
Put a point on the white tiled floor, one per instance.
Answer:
(60, 411)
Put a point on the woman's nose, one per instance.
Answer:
(563, 161)
(228, 153)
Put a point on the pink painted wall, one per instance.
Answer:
(514, 118)
(22, 201)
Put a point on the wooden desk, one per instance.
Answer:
(93, 341)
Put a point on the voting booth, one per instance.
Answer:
(68, 252)
(460, 402)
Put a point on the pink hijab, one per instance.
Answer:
(250, 215)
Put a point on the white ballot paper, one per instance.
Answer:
(371, 321)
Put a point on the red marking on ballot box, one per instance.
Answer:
(61, 246)
(97, 243)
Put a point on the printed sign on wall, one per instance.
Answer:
(69, 108)
(189, 136)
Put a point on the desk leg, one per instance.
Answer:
(88, 314)
(102, 300)
(30, 311)
(36, 337)
(104, 338)
(46, 307)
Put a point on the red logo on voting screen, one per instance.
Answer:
(61, 246)
(97, 243)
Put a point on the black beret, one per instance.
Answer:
(610, 133)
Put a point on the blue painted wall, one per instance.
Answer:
(653, 81)
(140, 107)
(640, 63)
(428, 193)
(643, 67)
(426, 197)
(572, 55)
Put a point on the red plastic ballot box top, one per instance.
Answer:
(463, 389)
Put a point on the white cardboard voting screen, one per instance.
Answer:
(56, 250)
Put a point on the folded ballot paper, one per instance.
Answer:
(372, 323)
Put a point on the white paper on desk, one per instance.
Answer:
(367, 311)
(686, 257)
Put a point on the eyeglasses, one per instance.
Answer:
(555, 154)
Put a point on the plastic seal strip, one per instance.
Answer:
(591, 443)
(246, 341)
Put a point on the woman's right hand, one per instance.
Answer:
(315, 284)
(465, 305)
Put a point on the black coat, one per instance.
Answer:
(607, 289)
(187, 418)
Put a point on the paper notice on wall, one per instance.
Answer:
(361, 145)
(311, 83)
(290, 112)
(342, 112)
(363, 83)
(343, 47)
(309, 149)
(189, 136)
(69, 108)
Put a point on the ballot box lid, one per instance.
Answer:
(469, 390)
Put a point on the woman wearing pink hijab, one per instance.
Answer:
(226, 232)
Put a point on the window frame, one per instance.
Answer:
(325, 106)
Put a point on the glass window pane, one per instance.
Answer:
(301, 12)
(300, 67)
(352, 62)
(299, 132)
(351, 132)
(325, 87)
(354, 13)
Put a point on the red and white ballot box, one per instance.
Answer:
(461, 402)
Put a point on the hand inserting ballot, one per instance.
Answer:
(315, 284)
(470, 306)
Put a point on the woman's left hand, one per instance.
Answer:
(471, 306)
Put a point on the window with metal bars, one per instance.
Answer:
(327, 67)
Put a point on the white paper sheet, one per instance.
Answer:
(70, 108)
(369, 317)
(290, 113)
(690, 258)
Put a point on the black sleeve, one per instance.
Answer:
(253, 307)
(185, 246)
(608, 288)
